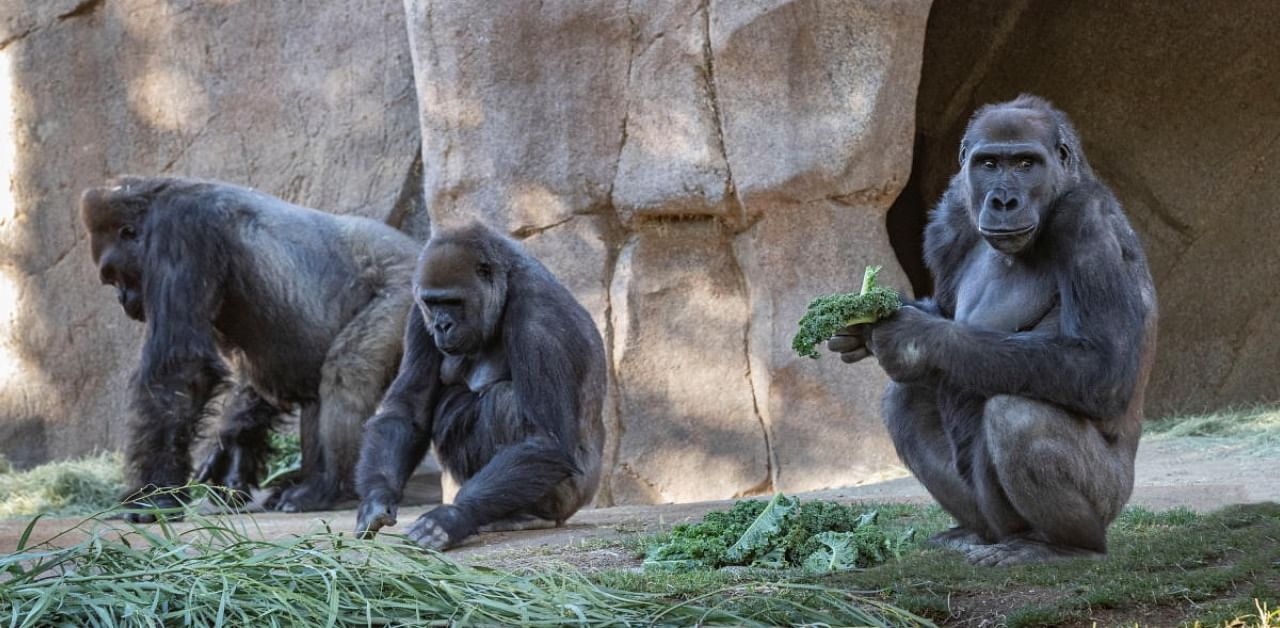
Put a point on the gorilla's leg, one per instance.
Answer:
(1061, 478)
(915, 425)
(360, 362)
(240, 455)
(509, 471)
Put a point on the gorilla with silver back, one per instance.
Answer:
(1017, 389)
(306, 306)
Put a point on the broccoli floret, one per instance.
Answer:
(829, 314)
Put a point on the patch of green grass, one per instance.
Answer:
(1176, 559)
(214, 570)
(1257, 426)
(62, 489)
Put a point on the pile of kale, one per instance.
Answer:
(784, 533)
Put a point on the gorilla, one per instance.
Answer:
(504, 375)
(1017, 390)
(304, 307)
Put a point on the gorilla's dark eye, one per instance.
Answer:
(484, 270)
(989, 164)
(1025, 163)
(128, 233)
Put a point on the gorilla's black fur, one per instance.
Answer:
(304, 306)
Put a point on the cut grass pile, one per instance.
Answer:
(212, 571)
(81, 487)
(1258, 427)
(63, 489)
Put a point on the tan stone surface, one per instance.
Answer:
(689, 428)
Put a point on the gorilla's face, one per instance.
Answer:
(460, 295)
(1014, 172)
(117, 242)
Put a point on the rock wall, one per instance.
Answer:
(314, 103)
(1177, 108)
(695, 171)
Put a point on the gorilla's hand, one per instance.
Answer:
(898, 342)
(376, 511)
(850, 343)
(441, 528)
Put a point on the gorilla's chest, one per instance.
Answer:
(476, 372)
(999, 293)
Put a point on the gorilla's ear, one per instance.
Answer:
(1069, 150)
(964, 149)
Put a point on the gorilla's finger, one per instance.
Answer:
(853, 330)
(853, 356)
(844, 344)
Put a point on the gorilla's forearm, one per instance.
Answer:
(397, 437)
(1089, 376)
(169, 399)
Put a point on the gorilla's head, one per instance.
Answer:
(461, 287)
(1016, 159)
(115, 216)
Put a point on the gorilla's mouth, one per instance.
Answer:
(131, 303)
(1008, 240)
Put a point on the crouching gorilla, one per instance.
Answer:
(504, 374)
(1017, 390)
(306, 306)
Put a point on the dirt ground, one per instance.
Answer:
(1201, 474)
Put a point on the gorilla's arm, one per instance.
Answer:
(397, 437)
(1091, 366)
(180, 370)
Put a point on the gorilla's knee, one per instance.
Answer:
(1011, 421)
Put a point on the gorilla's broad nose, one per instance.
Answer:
(1003, 201)
(443, 327)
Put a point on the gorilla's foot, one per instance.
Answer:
(957, 538)
(312, 494)
(1021, 551)
(441, 528)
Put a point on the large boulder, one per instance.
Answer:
(710, 167)
(312, 102)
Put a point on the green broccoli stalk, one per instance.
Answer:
(829, 314)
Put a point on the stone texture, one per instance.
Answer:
(690, 431)
(814, 95)
(312, 103)
(1176, 107)
(521, 107)
(672, 158)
